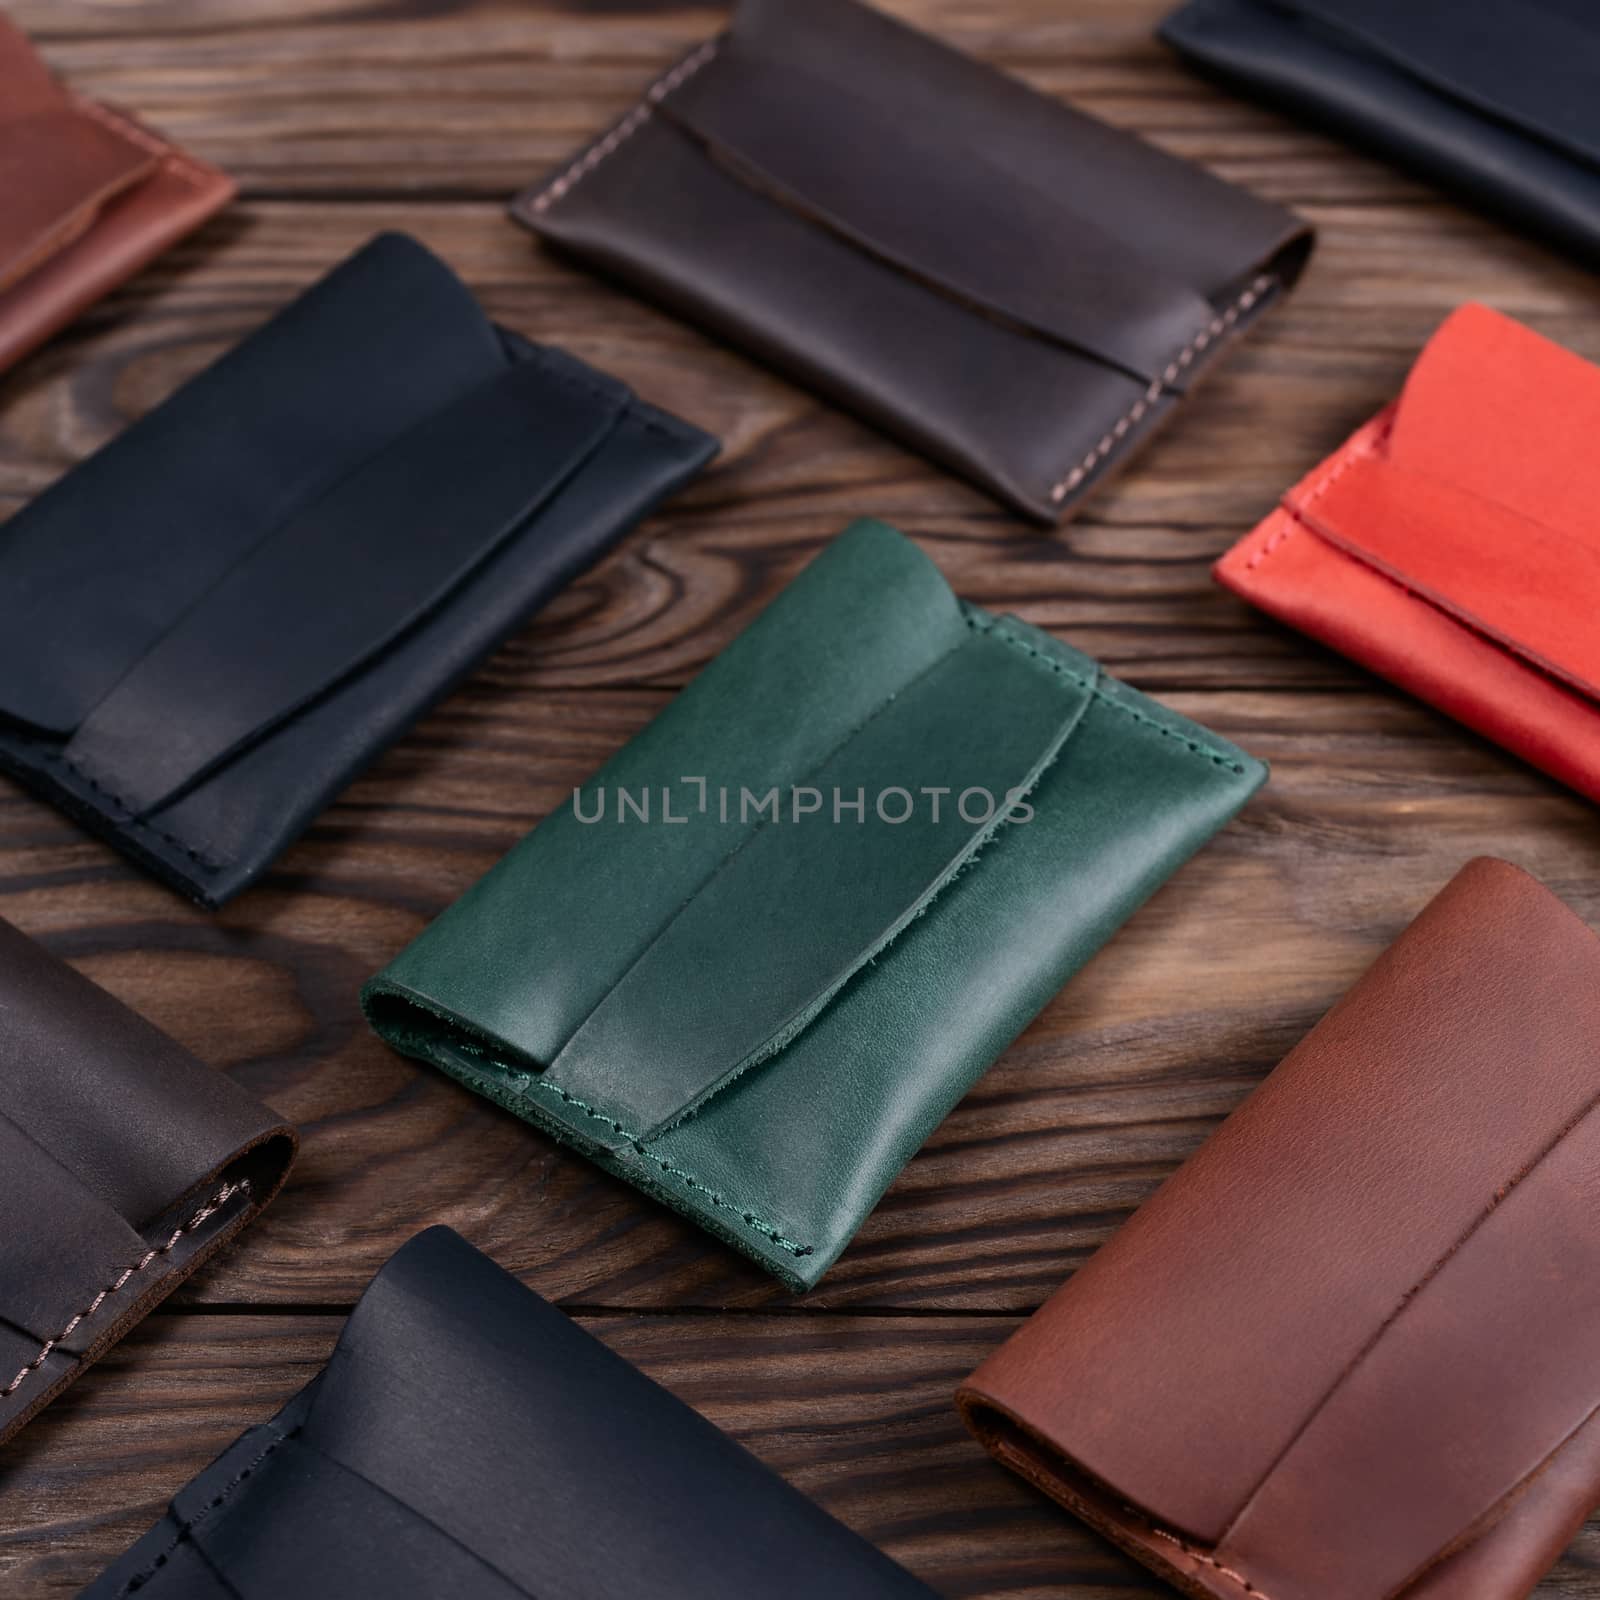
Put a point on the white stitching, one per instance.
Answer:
(1174, 369)
(204, 1214)
(1211, 1561)
(625, 130)
(1294, 512)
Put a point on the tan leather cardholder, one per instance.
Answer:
(87, 198)
(1348, 1352)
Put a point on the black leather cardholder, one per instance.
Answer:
(218, 619)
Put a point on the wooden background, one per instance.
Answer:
(341, 117)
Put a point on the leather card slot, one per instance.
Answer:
(1485, 58)
(935, 209)
(984, 717)
(387, 544)
(58, 169)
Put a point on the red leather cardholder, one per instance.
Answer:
(1452, 544)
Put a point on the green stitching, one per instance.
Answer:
(521, 1082)
(992, 627)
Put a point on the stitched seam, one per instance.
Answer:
(625, 130)
(129, 818)
(1062, 670)
(178, 164)
(750, 1218)
(204, 1214)
(185, 1528)
(1035, 1473)
(1215, 329)
(1292, 513)
(1211, 1561)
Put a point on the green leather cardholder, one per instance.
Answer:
(757, 959)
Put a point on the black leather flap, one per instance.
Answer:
(1535, 64)
(280, 521)
(128, 542)
(341, 579)
(469, 1440)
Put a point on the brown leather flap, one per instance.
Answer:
(1344, 1336)
(1006, 201)
(1486, 1371)
(938, 210)
(58, 168)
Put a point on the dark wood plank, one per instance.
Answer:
(1373, 805)
(854, 1411)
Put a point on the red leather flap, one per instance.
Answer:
(57, 169)
(1482, 498)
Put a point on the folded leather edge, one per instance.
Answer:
(63, 284)
(255, 1172)
(1237, 571)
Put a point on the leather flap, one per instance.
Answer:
(27, 85)
(122, 547)
(345, 576)
(962, 180)
(917, 195)
(1344, 1335)
(50, 1211)
(279, 1483)
(1471, 1389)
(58, 168)
(1480, 497)
(804, 903)
(468, 1441)
(1534, 64)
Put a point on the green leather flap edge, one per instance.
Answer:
(800, 905)
(629, 969)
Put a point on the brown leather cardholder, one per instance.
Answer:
(87, 198)
(1011, 287)
(125, 1164)
(1348, 1351)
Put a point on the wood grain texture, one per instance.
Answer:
(343, 117)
